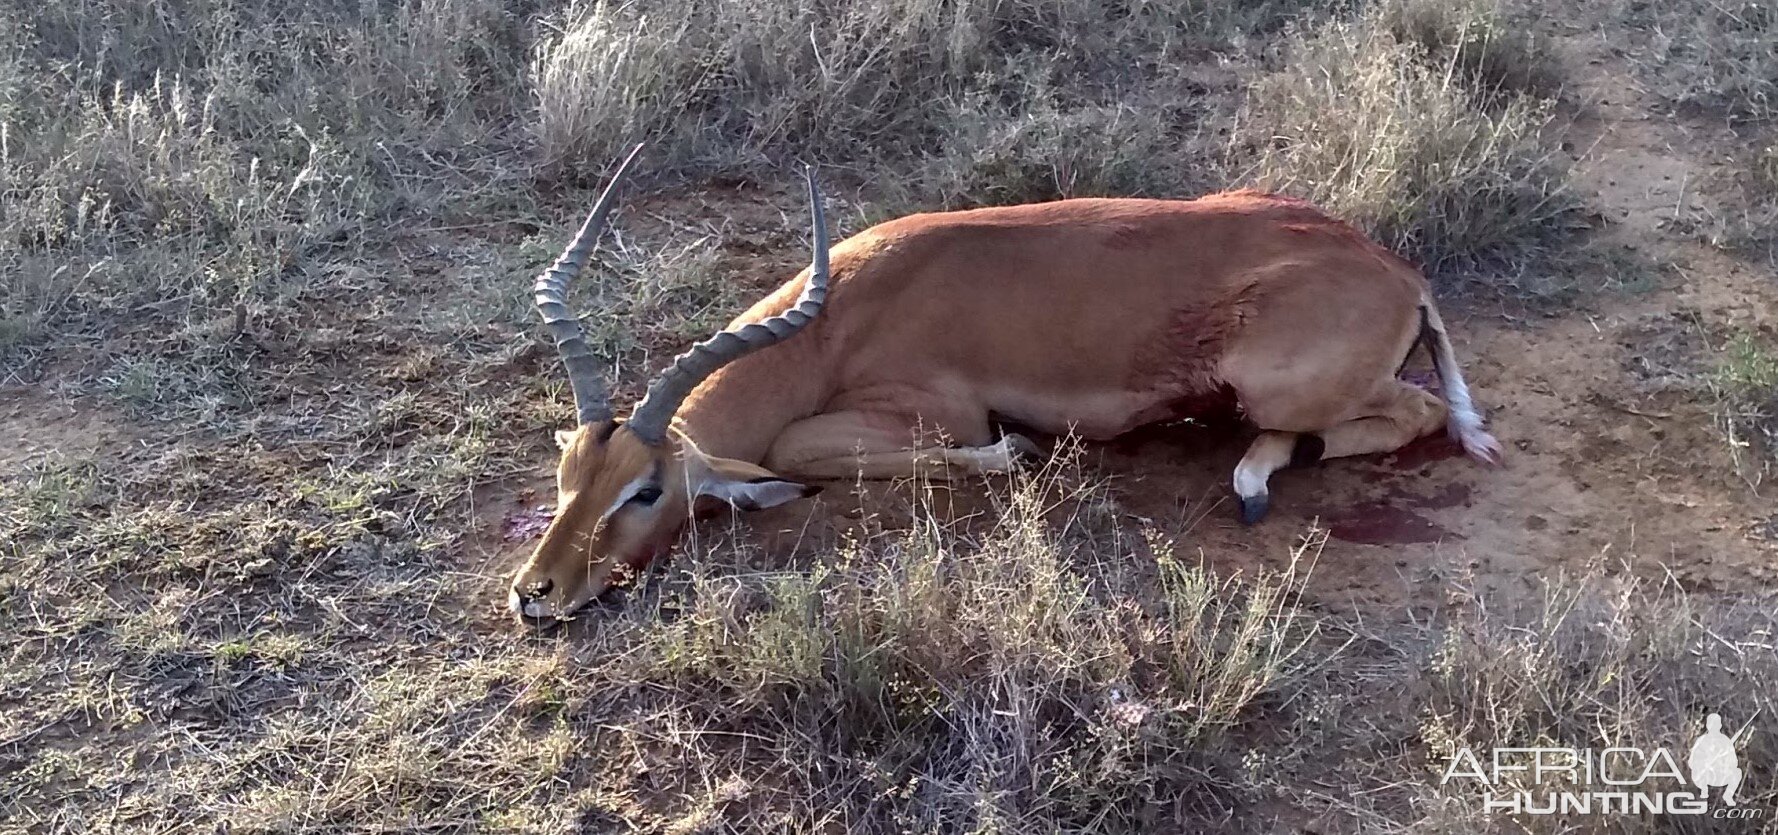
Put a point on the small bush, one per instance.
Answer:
(1049, 151)
(1717, 54)
(1496, 51)
(1359, 122)
(1746, 385)
(1026, 676)
(1749, 226)
(185, 172)
(1596, 661)
(718, 85)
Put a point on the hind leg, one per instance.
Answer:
(1270, 452)
(1403, 413)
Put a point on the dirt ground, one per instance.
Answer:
(1606, 462)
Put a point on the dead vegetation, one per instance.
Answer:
(1745, 382)
(276, 249)
(1747, 227)
(1042, 670)
(873, 83)
(1497, 50)
(1420, 122)
(1715, 56)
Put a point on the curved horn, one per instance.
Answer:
(669, 390)
(591, 401)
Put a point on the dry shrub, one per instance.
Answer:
(179, 158)
(1029, 678)
(198, 175)
(1044, 672)
(1360, 122)
(1748, 225)
(1048, 150)
(719, 85)
(1716, 54)
(1497, 49)
(1596, 661)
(304, 662)
(1745, 384)
(241, 97)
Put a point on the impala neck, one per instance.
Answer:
(741, 409)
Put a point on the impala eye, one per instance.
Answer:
(646, 496)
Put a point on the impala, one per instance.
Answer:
(1090, 316)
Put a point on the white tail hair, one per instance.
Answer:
(1464, 423)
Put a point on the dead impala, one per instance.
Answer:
(1090, 316)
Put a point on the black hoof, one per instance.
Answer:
(1253, 508)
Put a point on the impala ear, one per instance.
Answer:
(748, 486)
(564, 439)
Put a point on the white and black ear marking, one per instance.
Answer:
(625, 495)
(564, 438)
(757, 494)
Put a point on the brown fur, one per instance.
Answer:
(1089, 316)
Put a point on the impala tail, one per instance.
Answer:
(1464, 422)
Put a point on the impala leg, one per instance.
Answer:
(1404, 413)
(1270, 452)
(875, 446)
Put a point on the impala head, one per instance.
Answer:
(626, 488)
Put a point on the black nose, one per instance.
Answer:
(533, 592)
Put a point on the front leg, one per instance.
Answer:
(880, 446)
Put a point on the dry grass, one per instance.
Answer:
(868, 83)
(1498, 50)
(224, 168)
(199, 182)
(1044, 670)
(1594, 661)
(275, 252)
(244, 153)
(1716, 59)
(1395, 137)
(1745, 382)
(1747, 226)
(1711, 54)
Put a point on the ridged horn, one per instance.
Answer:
(592, 402)
(669, 390)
